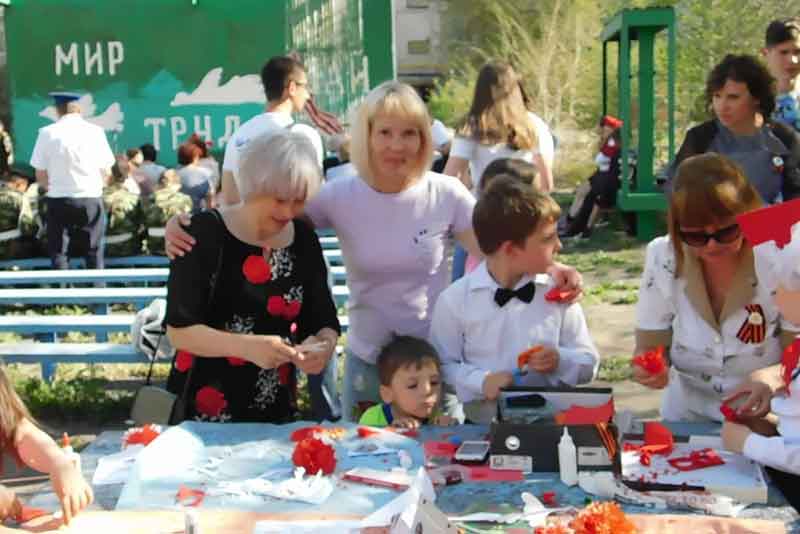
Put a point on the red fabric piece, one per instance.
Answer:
(189, 497)
(141, 436)
(525, 356)
(256, 269)
(28, 513)
(699, 459)
(773, 223)
(644, 457)
(556, 295)
(583, 415)
(439, 449)
(210, 401)
(184, 361)
(610, 148)
(236, 362)
(549, 498)
(484, 473)
(365, 432)
(789, 360)
(652, 361)
(729, 413)
(658, 438)
(314, 455)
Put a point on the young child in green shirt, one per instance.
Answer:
(411, 386)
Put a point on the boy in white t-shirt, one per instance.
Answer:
(486, 321)
(777, 445)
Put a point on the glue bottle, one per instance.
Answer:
(66, 447)
(567, 459)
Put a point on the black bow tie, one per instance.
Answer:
(525, 294)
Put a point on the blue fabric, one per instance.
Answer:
(459, 261)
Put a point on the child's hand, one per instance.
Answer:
(544, 361)
(734, 435)
(567, 278)
(494, 382)
(9, 504)
(656, 381)
(444, 420)
(71, 489)
(407, 423)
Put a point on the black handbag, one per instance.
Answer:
(154, 404)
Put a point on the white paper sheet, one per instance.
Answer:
(116, 468)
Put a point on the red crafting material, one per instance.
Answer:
(773, 223)
(658, 438)
(789, 360)
(189, 497)
(306, 432)
(439, 449)
(557, 295)
(696, 460)
(549, 498)
(652, 361)
(729, 413)
(526, 355)
(644, 457)
(585, 415)
(366, 432)
(484, 473)
(141, 436)
(28, 513)
(314, 455)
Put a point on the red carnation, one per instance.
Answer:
(276, 305)
(314, 455)
(652, 361)
(184, 361)
(256, 269)
(306, 432)
(210, 401)
(236, 362)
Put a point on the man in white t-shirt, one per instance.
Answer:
(73, 161)
(286, 87)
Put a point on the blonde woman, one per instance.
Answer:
(499, 125)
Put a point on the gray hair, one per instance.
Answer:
(281, 164)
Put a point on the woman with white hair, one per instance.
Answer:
(254, 284)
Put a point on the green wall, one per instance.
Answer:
(158, 70)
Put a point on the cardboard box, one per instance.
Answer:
(532, 446)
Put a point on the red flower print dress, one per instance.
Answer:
(257, 292)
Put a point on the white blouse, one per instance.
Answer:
(709, 358)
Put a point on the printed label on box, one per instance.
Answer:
(511, 461)
(593, 457)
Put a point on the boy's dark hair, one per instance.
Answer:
(510, 211)
(276, 75)
(519, 169)
(781, 31)
(403, 351)
(149, 152)
(747, 70)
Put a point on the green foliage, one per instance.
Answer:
(82, 397)
(615, 369)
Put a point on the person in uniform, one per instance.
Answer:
(167, 201)
(11, 207)
(125, 217)
(72, 159)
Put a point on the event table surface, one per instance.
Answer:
(460, 498)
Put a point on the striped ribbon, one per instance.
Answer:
(754, 328)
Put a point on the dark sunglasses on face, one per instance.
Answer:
(723, 236)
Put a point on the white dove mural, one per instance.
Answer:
(110, 120)
(245, 89)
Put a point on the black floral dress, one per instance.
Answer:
(255, 293)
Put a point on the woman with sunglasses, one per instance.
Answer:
(701, 300)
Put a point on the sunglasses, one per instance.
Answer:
(723, 236)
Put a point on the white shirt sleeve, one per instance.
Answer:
(774, 452)
(105, 155)
(463, 148)
(464, 205)
(655, 309)
(230, 161)
(440, 133)
(578, 357)
(545, 137)
(39, 155)
(447, 336)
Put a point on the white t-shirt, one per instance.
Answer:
(480, 156)
(395, 250)
(75, 153)
(260, 124)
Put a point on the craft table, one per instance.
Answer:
(460, 498)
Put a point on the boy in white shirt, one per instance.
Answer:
(778, 446)
(485, 320)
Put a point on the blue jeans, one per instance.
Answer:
(459, 261)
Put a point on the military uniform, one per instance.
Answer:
(10, 235)
(164, 203)
(124, 228)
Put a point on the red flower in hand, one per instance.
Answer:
(256, 269)
(236, 362)
(210, 401)
(184, 361)
(652, 361)
(314, 455)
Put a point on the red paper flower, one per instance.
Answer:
(306, 432)
(549, 498)
(602, 518)
(652, 361)
(236, 362)
(278, 306)
(184, 361)
(141, 436)
(644, 458)
(314, 455)
(558, 528)
(256, 269)
(557, 295)
(210, 401)
(658, 438)
(729, 413)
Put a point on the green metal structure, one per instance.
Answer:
(158, 70)
(626, 28)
